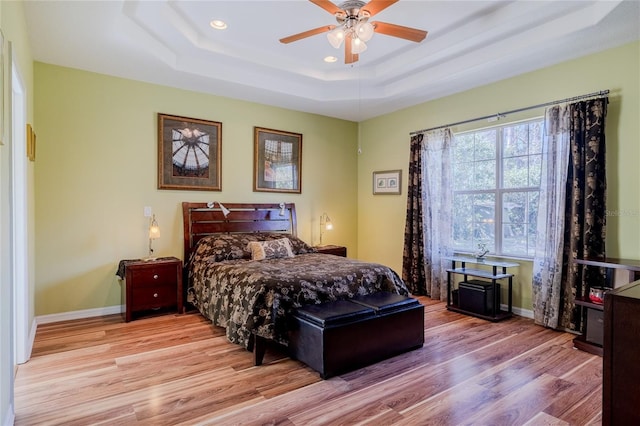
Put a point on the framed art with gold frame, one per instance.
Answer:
(277, 161)
(189, 153)
(387, 182)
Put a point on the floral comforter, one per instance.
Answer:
(257, 296)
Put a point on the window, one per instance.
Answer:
(496, 186)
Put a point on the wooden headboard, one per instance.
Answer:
(200, 220)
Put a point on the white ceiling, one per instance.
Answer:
(470, 43)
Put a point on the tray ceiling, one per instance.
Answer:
(470, 43)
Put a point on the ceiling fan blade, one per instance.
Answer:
(394, 30)
(327, 5)
(375, 6)
(349, 56)
(305, 34)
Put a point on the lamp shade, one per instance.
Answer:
(358, 46)
(154, 229)
(336, 37)
(225, 211)
(327, 224)
(365, 31)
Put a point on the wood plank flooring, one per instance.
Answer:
(180, 370)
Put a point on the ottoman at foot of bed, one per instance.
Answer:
(344, 335)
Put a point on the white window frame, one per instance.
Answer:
(499, 191)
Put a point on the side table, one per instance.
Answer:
(498, 271)
(151, 285)
(330, 249)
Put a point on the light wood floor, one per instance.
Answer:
(179, 369)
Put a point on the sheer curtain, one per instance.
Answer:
(547, 262)
(572, 211)
(429, 206)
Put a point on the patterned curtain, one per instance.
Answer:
(428, 226)
(571, 215)
(585, 226)
(413, 270)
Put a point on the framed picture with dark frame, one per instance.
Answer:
(387, 182)
(277, 161)
(189, 153)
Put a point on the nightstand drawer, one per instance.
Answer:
(153, 297)
(153, 276)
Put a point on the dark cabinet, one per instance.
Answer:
(621, 357)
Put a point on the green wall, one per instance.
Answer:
(385, 145)
(96, 169)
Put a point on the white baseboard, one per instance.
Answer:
(519, 311)
(30, 340)
(32, 336)
(85, 313)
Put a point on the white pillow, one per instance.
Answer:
(272, 249)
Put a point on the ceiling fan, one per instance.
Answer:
(354, 27)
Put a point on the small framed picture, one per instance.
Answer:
(277, 161)
(189, 153)
(387, 182)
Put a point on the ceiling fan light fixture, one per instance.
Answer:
(365, 31)
(336, 37)
(352, 17)
(358, 46)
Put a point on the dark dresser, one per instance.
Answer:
(621, 356)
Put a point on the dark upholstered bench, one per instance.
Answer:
(337, 337)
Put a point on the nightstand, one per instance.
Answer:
(152, 285)
(336, 250)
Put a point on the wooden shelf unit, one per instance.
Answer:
(632, 266)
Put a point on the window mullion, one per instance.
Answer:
(498, 193)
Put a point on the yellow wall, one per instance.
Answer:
(96, 169)
(385, 143)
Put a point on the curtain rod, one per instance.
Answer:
(513, 111)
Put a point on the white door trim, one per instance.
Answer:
(22, 310)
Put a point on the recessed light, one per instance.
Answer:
(218, 24)
(330, 59)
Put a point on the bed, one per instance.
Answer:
(242, 275)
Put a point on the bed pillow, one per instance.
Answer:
(297, 245)
(218, 248)
(271, 249)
